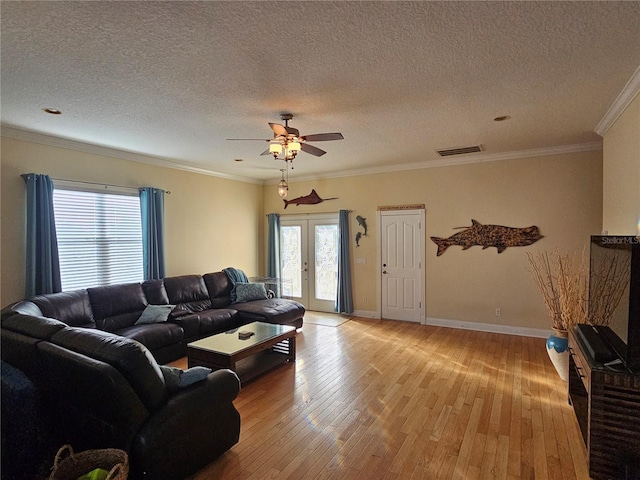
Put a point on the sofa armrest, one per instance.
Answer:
(190, 324)
(219, 388)
(199, 421)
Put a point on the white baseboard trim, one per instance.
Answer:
(490, 327)
(478, 327)
(366, 314)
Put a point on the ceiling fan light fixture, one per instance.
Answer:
(275, 148)
(283, 187)
(294, 146)
(287, 142)
(289, 154)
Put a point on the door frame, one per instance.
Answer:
(309, 219)
(401, 210)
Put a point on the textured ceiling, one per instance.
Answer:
(398, 79)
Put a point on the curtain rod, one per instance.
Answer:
(168, 192)
(308, 213)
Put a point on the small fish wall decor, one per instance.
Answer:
(363, 223)
(489, 236)
(312, 199)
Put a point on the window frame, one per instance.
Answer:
(101, 275)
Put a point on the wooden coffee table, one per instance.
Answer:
(269, 346)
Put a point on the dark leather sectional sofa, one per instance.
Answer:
(98, 376)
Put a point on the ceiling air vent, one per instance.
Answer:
(447, 152)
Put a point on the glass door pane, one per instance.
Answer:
(291, 251)
(326, 262)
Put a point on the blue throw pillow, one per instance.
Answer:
(155, 314)
(247, 292)
(176, 378)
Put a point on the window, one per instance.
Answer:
(99, 237)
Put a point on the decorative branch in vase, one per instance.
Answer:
(610, 278)
(563, 281)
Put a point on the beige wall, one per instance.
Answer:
(561, 194)
(621, 173)
(211, 223)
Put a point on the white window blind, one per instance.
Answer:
(99, 238)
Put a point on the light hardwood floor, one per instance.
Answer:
(378, 399)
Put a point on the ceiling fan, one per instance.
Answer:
(287, 141)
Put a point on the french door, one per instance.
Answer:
(309, 260)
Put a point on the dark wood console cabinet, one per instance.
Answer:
(606, 402)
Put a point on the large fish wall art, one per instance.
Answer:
(489, 236)
(311, 199)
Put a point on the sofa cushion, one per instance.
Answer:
(20, 336)
(154, 314)
(117, 306)
(218, 320)
(72, 308)
(25, 307)
(130, 358)
(154, 336)
(188, 293)
(41, 328)
(95, 405)
(155, 292)
(219, 287)
(272, 310)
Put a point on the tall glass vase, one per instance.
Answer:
(558, 350)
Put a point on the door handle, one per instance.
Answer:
(384, 271)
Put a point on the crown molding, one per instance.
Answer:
(623, 100)
(43, 139)
(52, 141)
(464, 160)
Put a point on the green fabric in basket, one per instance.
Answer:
(97, 474)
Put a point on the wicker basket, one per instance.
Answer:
(70, 466)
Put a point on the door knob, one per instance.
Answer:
(384, 271)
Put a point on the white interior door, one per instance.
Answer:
(309, 261)
(402, 260)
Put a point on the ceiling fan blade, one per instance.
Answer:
(305, 147)
(266, 152)
(321, 137)
(278, 129)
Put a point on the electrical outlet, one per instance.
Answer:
(498, 312)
